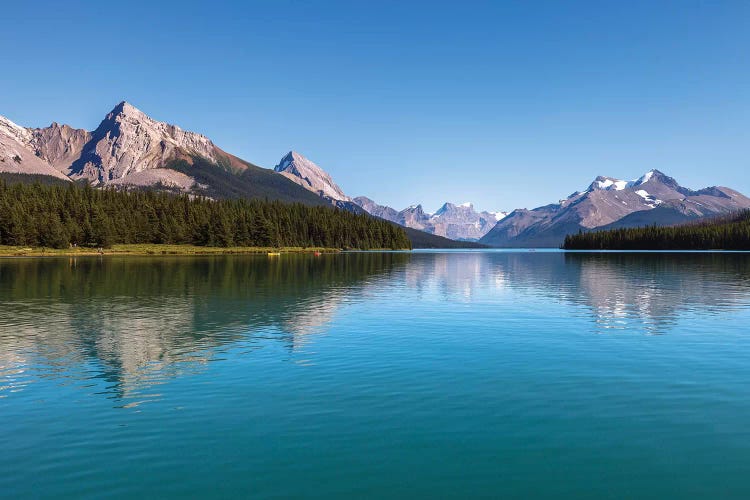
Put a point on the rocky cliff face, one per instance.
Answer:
(127, 148)
(415, 217)
(18, 153)
(59, 145)
(128, 142)
(307, 174)
(654, 198)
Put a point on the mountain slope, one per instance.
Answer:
(17, 155)
(252, 182)
(373, 208)
(654, 198)
(307, 174)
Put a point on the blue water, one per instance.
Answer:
(423, 375)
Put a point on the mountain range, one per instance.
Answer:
(130, 150)
(608, 203)
(457, 222)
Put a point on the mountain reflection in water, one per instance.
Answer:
(137, 322)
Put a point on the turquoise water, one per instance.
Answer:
(423, 375)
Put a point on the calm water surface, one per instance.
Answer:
(434, 374)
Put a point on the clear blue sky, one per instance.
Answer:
(506, 104)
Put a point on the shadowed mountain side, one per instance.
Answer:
(252, 182)
(46, 180)
(661, 216)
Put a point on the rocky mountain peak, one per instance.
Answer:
(449, 208)
(656, 176)
(128, 141)
(414, 209)
(607, 184)
(126, 109)
(309, 175)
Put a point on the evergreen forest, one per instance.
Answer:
(58, 216)
(731, 232)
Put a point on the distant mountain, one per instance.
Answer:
(654, 198)
(454, 222)
(373, 208)
(462, 222)
(307, 174)
(457, 222)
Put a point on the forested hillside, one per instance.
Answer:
(58, 216)
(725, 233)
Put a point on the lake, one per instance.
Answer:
(427, 374)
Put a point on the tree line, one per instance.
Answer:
(730, 232)
(59, 216)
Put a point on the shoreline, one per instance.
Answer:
(153, 250)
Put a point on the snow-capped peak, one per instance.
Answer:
(466, 204)
(608, 184)
(612, 184)
(645, 177)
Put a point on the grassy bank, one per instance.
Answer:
(152, 249)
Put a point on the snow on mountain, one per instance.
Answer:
(645, 178)
(458, 222)
(653, 198)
